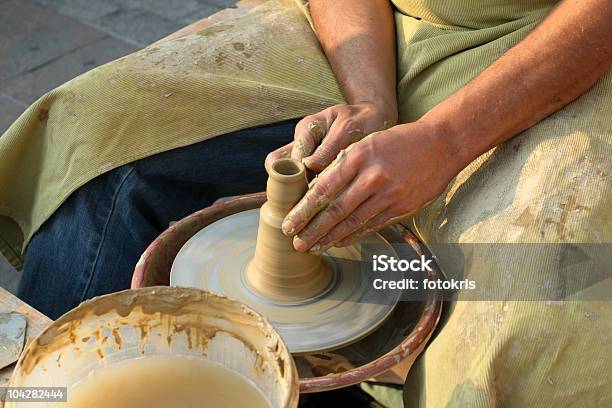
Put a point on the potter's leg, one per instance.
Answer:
(549, 185)
(91, 244)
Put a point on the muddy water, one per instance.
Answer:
(163, 382)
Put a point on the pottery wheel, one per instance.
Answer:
(216, 257)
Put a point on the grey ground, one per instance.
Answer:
(44, 43)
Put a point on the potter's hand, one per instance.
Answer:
(375, 182)
(320, 137)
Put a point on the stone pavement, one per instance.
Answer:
(44, 43)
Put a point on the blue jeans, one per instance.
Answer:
(91, 244)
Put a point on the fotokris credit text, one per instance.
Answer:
(385, 263)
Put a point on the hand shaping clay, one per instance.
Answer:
(277, 271)
(315, 302)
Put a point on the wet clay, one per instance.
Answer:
(145, 323)
(277, 271)
(146, 383)
(183, 307)
(316, 302)
(216, 259)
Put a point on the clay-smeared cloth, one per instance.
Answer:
(262, 67)
(549, 184)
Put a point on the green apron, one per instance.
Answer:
(549, 184)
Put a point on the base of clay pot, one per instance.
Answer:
(323, 282)
(217, 257)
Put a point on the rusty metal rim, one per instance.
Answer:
(394, 234)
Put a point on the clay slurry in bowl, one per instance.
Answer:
(160, 347)
(162, 382)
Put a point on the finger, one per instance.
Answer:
(309, 132)
(341, 134)
(331, 145)
(373, 225)
(279, 153)
(386, 218)
(341, 208)
(356, 221)
(325, 187)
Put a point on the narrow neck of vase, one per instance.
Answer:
(278, 271)
(286, 185)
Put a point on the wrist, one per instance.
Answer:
(457, 142)
(446, 145)
(385, 108)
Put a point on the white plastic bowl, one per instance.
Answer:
(159, 321)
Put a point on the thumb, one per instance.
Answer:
(336, 140)
(309, 133)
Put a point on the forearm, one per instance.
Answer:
(358, 38)
(556, 63)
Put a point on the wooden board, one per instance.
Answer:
(36, 322)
